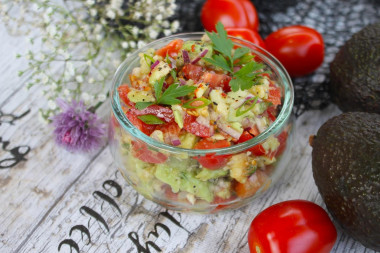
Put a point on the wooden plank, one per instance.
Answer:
(132, 229)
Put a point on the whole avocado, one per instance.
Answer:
(346, 170)
(355, 72)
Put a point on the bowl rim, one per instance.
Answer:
(273, 128)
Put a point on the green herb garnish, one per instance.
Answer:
(196, 103)
(245, 77)
(239, 112)
(169, 96)
(148, 59)
(151, 119)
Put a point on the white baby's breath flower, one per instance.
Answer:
(159, 17)
(102, 97)
(89, 63)
(167, 32)
(66, 92)
(45, 79)
(52, 105)
(70, 70)
(51, 29)
(98, 28)
(140, 44)
(137, 15)
(86, 97)
(99, 37)
(93, 12)
(132, 44)
(90, 2)
(91, 80)
(111, 14)
(175, 25)
(135, 31)
(79, 79)
(153, 34)
(165, 24)
(124, 45)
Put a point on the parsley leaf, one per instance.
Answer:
(170, 95)
(220, 40)
(219, 61)
(240, 52)
(247, 76)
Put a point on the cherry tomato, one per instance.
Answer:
(257, 150)
(231, 13)
(139, 124)
(161, 112)
(123, 91)
(252, 185)
(212, 161)
(247, 34)
(191, 125)
(299, 48)
(171, 49)
(274, 95)
(141, 151)
(217, 80)
(191, 71)
(296, 226)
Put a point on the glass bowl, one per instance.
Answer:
(129, 146)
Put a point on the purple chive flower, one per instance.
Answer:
(77, 128)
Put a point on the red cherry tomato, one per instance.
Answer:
(157, 110)
(294, 226)
(231, 13)
(171, 49)
(139, 124)
(123, 91)
(142, 152)
(212, 161)
(257, 150)
(299, 48)
(247, 34)
(217, 80)
(191, 125)
(193, 72)
(274, 95)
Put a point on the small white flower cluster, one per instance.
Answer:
(83, 41)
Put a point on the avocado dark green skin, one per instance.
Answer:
(346, 170)
(355, 72)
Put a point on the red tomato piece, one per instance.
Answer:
(191, 125)
(271, 111)
(299, 48)
(139, 124)
(231, 13)
(292, 226)
(142, 152)
(193, 72)
(171, 49)
(257, 150)
(274, 95)
(123, 91)
(252, 185)
(212, 161)
(247, 34)
(217, 80)
(282, 138)
(161, 112)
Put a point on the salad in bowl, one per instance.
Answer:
(201, 121)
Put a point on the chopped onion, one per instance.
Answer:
(242, 101)
(154, 64)
(173, 62)
(186, 57)
(247, 123)
(198, 58)
(176, 142)
(182, 82)
(203, 121)
(229, 130)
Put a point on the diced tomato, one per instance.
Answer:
(282, 138)
(220, 201)
(257, 150)
(157, 110)
(193, 72)
(123, 91)
(171, 49)
(139, 124)
(171, 127)
(274, 95)
(271, 113)
(212, 161)
(254, 131)
(142, 152)
(217, 80)
(252, 185)
(191, 125)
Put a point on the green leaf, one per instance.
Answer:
(220, 61)
(169, 97)
(245, 59)
(151, 119)
(241, 51)
(247, 76)
(148, 59)
(220, 40)
(173, 73)
(196, 103)
(143, 105)
(239, 112)
(158, 87)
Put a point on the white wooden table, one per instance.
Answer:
(53, 200)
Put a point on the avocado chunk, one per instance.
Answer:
(355, 72)
(346, 170)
